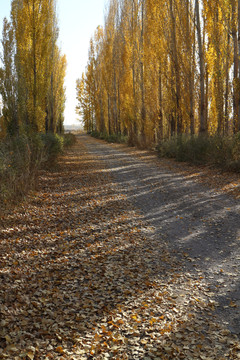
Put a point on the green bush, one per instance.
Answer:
(219, 151)
(53, 146)
(186, 148)
(168, 148)
(193, 149)
(20, 158)
(233, 162)
(69, 139)
(95, 134)
(112, 138)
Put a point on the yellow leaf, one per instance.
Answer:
(11, 347)
(233, 304)
(8, 339)
(104, 329)
(30, 355)
(59, 349)
(152, 321)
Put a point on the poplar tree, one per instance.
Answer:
(32, 76)
(165, 68)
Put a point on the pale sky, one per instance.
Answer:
(78, 20)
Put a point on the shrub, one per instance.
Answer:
(219, 151)
(20, 158)
(53, 146)
(193, 149)
(112, 138)
(233, 162)
(168, 148)
(69, 139)
(95, 134)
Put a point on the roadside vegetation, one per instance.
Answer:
(216, 151)
(111, 138)
(222, 152)
(32, 97)
(21, 158)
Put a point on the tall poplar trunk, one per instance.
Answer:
(226, 110)
(119, 109)
(102, 123)
(206, 94)
(115, 104)
(172, 113)
(202, 128)
(219, 79)
(133, 126)
(109, 116)
(226, 94)
(143, 110)
(191, 54)
(51, 120)
(238, 119)
(159, 130)
(92, 118)
(34, 69)
(46, 121)
(235, 69)
(176, 68)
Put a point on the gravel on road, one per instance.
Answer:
(199, 224)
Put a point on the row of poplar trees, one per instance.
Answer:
(33, 69)
(162, 68)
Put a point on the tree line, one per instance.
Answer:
(32, 97)
(158, 69)
(33, 69)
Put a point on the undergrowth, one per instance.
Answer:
(22, 156)
(112, 138)
(69, 139)
(223, 152)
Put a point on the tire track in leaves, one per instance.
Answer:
(82, 278)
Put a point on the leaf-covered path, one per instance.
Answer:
(199, 223)
(92, 267)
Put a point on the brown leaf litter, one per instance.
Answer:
(81, 278)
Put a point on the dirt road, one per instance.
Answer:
(193, 219)
(118, 257)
